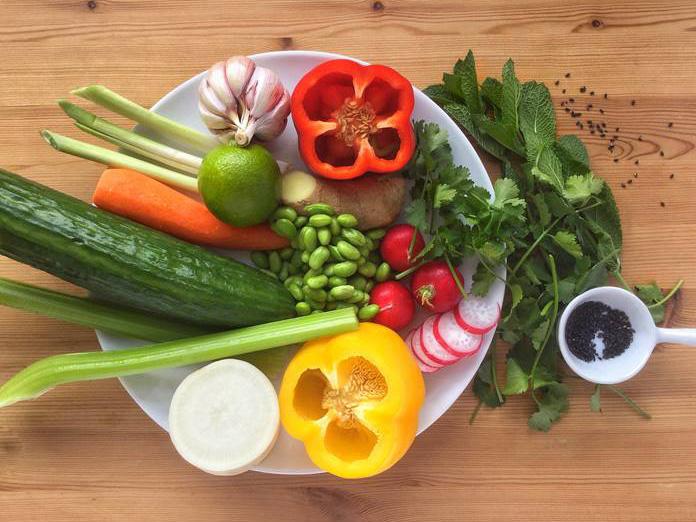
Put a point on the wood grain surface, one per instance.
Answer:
(86, 451)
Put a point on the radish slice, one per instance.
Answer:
(450, 334)
(476, 315)
(425, 365)
(432, 348)
(224, 418)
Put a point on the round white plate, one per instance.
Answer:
(153, 391)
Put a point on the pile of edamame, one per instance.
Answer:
(329, 264)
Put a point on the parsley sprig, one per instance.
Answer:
(550, 221)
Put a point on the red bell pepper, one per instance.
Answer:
(352, 119)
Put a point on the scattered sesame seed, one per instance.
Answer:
(671, 176)
(601, 111)
(567, 109)
(591, 93)
(662, 153)
(670, 124)
(606, 96)
(617, 129)
(629, 181)
(583, 89)
(640, 138)
(557, 82)
(571, 100)
(567, 75)
(662, 203)
(623, 185)
(636, 162)
(563, 91)
(616, 160)
(633, 102)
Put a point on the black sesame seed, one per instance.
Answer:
(636, 162)
(606, 96)
(662, 203)
(623, 185)
(671, 176)
(616, 160)
(629, 181)
(633, 102)
(640, 138)
(617, 129)
(567, 109)
(662, 153)
(601, 111)
(583, 89)
(567, 75)
(563, 91)
(557, 82)
(571, 100)
(593, 319)
(670, 124)
(591, 93)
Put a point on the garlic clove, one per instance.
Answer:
(238, 72)
(217, 80)
(272, 124)
(264, 92)
(211, 120)
(208, 99)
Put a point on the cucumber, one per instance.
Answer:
(129, 264)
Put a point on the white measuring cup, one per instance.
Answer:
(646, 337)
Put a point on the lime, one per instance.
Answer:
(240, 185)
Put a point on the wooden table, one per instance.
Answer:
(86, 451)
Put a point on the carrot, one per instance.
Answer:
(144, 200)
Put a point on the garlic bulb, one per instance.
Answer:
(239, 100)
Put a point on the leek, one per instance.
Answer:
(116, 159)
(115, 102)
(92, 314)
(128, 140)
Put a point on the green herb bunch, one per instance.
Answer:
(552, 223)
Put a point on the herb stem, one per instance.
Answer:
(409, 270)
(669, 295)
(620, 279)
(552, 322)
(640, 411)
(494, 375)
(474, 413)
(455, 275)
(533, 246)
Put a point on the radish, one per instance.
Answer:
(395, 246)
(435, 288)
(476, 315)
(426, 365)
(224, 418)
(396, 307)
(450, 334)
(433, 349)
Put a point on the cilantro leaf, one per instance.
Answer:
(552, 404)
(579, 188)
(517, 381)
(443, 194)
(568, 242)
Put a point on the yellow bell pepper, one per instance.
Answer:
(353, 400)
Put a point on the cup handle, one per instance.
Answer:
(685, 336)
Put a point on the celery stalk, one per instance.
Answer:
(86, 312)
(47, 373)
(116, 159)
(120, 105)
(104, 129)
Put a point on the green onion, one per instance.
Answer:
(116, 159)
(104, 129)
(115, 102)
(92, 314)
(47, 373)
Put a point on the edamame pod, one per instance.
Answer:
(285, 228)
(301, 221)
(320, 220)
(342, 292)
(335, 227)
(376, 233)
(345, 269)
(348, 251)
(303, 308)
(308, 238)
(347, 220)
(324, 236)
(296, 293)
(260, 259)
(274, 262)
(383, 272)
(354, 237)
(286, 253)
(319, 208)
(335, 253)
(319, 257)
(368, 312)
(288, 213)
(337, 281)
(319, 281)
(358, 281)
(368, 269)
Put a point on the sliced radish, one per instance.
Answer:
(432, 348)
(477, 315)
(224, 418)
(413, 342)
(450, 334)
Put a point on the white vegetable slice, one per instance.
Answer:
(433, 349)
(449, 333)
(224, 418)
(477, 315)
(425, 364)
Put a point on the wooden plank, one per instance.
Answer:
(86, 452)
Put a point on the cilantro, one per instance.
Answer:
(549, 220)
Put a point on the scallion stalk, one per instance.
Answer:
(92, 314)
(151, 149)
(116, 159)
(47, 373)
(120, 105)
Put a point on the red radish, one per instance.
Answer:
(435, 288)
(476, 315)
(450, 334)
(425, 367)
(394, 246)
(396, 307)
(433, 349)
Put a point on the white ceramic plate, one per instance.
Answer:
(153, 391)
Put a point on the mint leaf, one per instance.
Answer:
(465, 70)
(462, 117)
(568, 242)
(503, 133)
(537, 119)
(492, 91)
(511, 95)
(605, 218)
(517, 381)
(548, 169)
(573, 155)
(439, 94)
